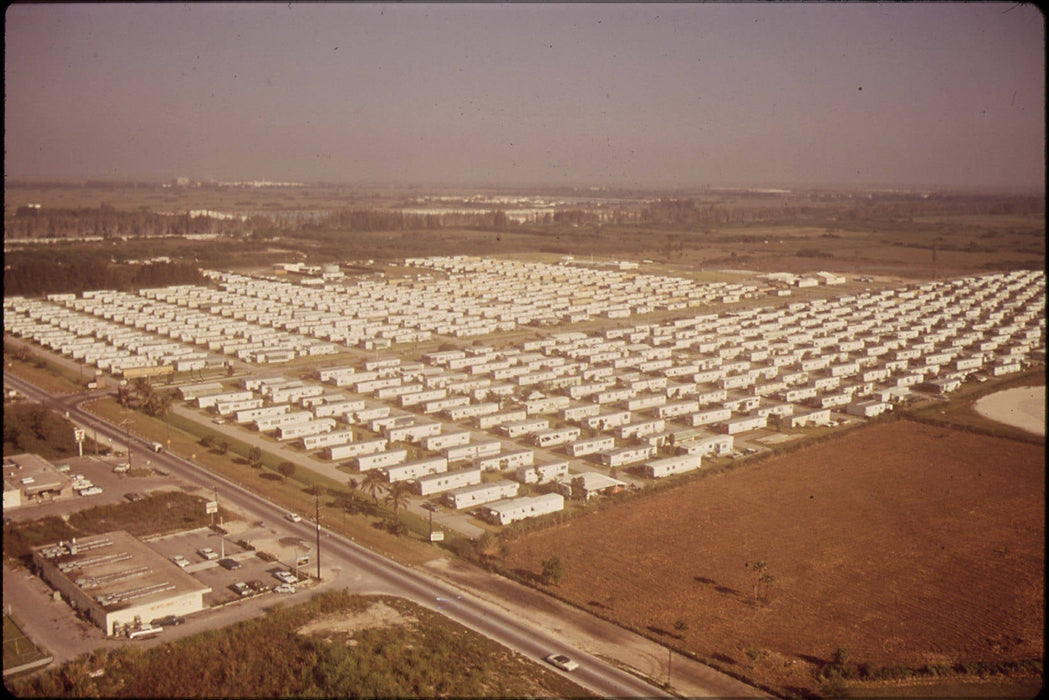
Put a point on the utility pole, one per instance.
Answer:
(317, 517)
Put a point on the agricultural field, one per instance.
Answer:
(904, 544)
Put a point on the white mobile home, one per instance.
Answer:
(445, 481)
(672, 465)
(305, 428)
(710, 416)
(378, 460)
(456, 438)
(641, 429)
(470, 496)
(515, 429)
(541, 473)
(493, 420)
(355, 449)
(416, 469)
(337, 437)
(627, 455)
(473, 450)
(708, 445)
(509, 510)
(743, 424)
(589, 446)
(555, 436)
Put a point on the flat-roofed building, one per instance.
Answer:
(116, 581)
(29, 478)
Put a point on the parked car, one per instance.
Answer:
(284, 588)
(168, 621)
(208, 553)
(562, 662)
(285, 576)
(180, 560)
(228, 563)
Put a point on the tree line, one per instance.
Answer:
(46, 276)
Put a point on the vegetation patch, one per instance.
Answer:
(356, 648)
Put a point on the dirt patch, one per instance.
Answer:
(1023, 407)
(377, 615)
(905, 543)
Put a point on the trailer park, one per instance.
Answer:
(507, 431)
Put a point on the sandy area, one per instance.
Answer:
(1022, 408)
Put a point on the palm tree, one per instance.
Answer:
(397, 496)
(373, 484)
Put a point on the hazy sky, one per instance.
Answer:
(865, 94)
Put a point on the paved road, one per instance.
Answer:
(479, 601)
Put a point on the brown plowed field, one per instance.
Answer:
(905, 543)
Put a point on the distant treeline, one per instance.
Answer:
(846, 209)
(816, 209)
(109, 222)
(35, 277)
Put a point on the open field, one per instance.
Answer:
(907, 544)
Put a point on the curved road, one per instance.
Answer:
(458, 605)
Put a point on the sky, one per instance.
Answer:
(909, 95)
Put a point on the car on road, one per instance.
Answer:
(180, 560)
(208, 553)
(168, 621)
(562, 662)
(229, 564)
(293, 517)
(284, 588)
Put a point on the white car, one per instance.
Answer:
(562, 662)
(285, 576)
(292, 517)
(284, 588)
(180, 560)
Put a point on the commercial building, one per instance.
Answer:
(117, 581)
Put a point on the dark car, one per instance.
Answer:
(168, 621)
(228, 563)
